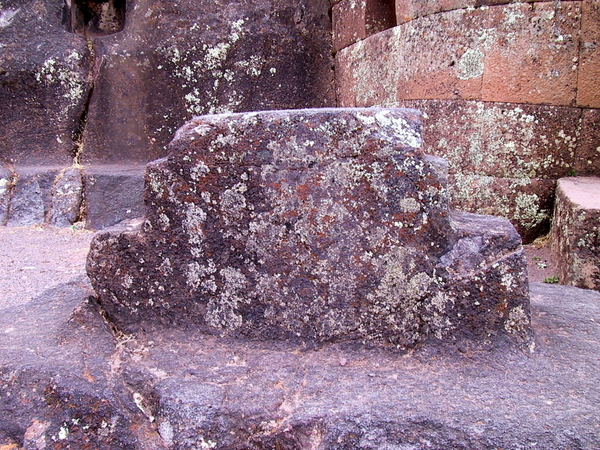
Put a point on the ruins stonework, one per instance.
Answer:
(313, 225)
(105, 85)
(510, 90)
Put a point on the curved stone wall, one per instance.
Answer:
(511, 92)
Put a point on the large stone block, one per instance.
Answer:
(7, 180)
(575, 235)
(411, 9)
(348, 23)
(533, 57)
(315, 225)
(44, 84)
(441, 56)
(172, 62)
(31, 196)
(588, 94)
(113, 194)
(503, 140)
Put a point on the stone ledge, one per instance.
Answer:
(99, 196)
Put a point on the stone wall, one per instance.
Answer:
(75, 92)
(510, 91)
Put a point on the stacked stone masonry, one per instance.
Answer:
(510, 89)
(313, 225)
(575, 236)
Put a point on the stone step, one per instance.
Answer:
(97, 196)
(575, 234)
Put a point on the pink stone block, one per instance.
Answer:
(533, 53)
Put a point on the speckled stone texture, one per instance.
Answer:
(176, 60)
(510, 88)
(312, 225)
(575, 235)
(44, 83)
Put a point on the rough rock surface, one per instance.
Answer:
(318, 225)
(113, 194)
(44, 83)
(575, 234)
(41, 195)
(66, 382)
(174, 60)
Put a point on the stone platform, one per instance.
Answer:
(67, 382)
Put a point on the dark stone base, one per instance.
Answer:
(68, 382)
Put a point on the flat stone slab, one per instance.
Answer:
(575, 235)
(67, 382)
(312, 225)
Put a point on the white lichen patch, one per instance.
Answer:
(222, 312)
(4, 183)
(398, 130)
(66, 74)
(7, 16)
(199, 170)
(471, 64)
(196, 273)
(410, 205)
(517, 321)
(232, 201)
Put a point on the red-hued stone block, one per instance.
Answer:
(380, 15)
(431, 58)
(526, 202)
(588, 86)
(348, 23)
(575, 236)
(501, 139)
(366, 71)
(441, 56)
(533, 53)
(587, 158)
(354, 20)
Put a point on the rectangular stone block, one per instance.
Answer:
(441, 56)
(113, 194)
(503, 140)
(348, 18)
(366, 72)
(411, 9)
(7, 180)
(31, 197)
(575, 235)
(380, 15)
(534, 54)
(588, 93)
